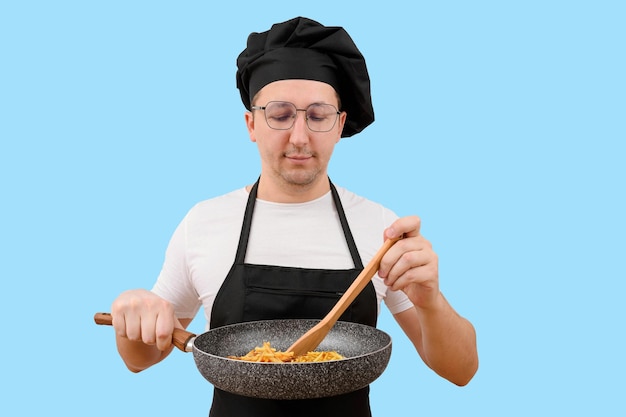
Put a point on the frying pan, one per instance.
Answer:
(366, 350)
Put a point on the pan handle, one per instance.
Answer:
(182, 339)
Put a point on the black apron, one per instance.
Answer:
(261, 292)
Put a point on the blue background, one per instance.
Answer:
(501, 124)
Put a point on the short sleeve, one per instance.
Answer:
(174, 283)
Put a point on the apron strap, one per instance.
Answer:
(247, 222)
(356, 258)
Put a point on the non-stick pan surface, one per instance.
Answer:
(365, 348)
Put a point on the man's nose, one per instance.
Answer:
(299, 130)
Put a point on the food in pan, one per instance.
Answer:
(267, 353)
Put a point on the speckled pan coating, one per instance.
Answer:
(367, 351)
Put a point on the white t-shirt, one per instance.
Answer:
(305, 235)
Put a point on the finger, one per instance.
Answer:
(132, 327)
(163, 331)
(390, 258)
(405, 226)
(119, 323)
(396, 257)
(148, 326)
(404, 263)
(424, 275)
(414, 253)
(125, 323)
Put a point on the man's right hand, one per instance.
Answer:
(142, 316)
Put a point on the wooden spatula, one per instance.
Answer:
(312, 338)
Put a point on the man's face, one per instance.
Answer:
(297, 156)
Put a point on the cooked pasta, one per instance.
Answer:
(266, 353)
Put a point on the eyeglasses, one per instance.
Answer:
(281, 115)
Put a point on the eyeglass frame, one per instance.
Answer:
(337, 113)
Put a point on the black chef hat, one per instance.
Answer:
(302, 48)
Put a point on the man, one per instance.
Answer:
(305, 86)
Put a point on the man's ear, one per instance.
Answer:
(249, 118)
(342, 122)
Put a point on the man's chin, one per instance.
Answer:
(300, 178)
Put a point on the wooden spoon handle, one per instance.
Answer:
(182, 339)
(359, 283)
